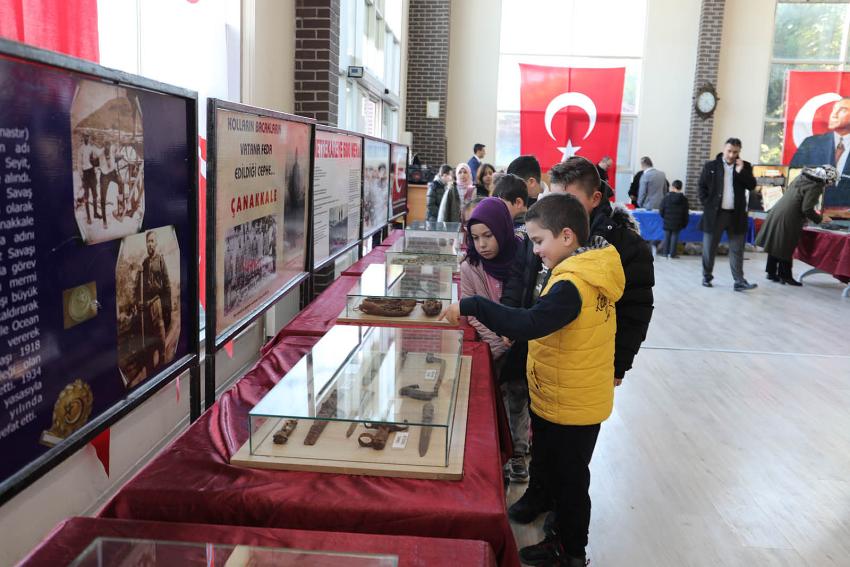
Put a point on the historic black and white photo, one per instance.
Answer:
(108, 161)
(250, 259)
(147, 287)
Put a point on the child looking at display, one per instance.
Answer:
(570, 329)
(674, 211)
(490, 249)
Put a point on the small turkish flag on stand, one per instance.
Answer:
(566, 111)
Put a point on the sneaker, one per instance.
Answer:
(707, 282)
(519, 470)
(549, 552)
(744, 286)
(530, 505)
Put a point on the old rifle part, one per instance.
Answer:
(367, 396)
(387, 307)
(327, 409)
(415, 392)
(282, 435)
(432, 307)
(378, 439)
(425, 434)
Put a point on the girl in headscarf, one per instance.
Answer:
(454, 199)
(491, 246)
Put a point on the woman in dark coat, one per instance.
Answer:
(781, 230)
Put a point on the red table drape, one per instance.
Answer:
(192, 480)
(72, 536)
(376, 256)
(394, 235)
(826, 251)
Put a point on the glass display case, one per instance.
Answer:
(410, 293)
(434, 228)
(120, 552)
(367, 395)
(424, 248)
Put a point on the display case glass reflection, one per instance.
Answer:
(365, 394)
(403, 291)
(119, 552)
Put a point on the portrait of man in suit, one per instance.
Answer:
(830, 148)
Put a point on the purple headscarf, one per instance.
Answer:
(494, 213)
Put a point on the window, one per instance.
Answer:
(807, 37)
(562, 39)
(370, 35)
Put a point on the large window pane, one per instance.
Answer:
(771, 145)
(507, 138)
(809, 31)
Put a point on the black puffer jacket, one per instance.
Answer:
(634, 309)
(435, 194)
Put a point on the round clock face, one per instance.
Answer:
(706, 102)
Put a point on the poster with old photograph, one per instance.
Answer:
(147, 287)
(108, 161)
(337, 179)
(98, 253)
(376, 185)
(398, 180)
(262, 169)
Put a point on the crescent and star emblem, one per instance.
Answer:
(805, 116)
(565, 100)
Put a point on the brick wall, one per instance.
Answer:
(317, 59)
(708, 60)
(428, 76)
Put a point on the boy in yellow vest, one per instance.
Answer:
(570, 329)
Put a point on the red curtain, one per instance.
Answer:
(66, 26)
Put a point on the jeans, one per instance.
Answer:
(671, 241)
(562, 453)
(515, 397)
(710, 240)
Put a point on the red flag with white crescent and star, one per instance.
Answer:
(567, 111)
(809, 98)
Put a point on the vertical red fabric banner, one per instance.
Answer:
(566, 111)
(68, 26)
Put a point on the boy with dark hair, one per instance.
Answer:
(570, 329)
(579, 177)
(512, 190)
(528, 169)
(674, 212)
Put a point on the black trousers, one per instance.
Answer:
(778, 267)
(560, 455)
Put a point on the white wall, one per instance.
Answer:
(669, 64)
(473, 77)
(268, 54)
(744, 74)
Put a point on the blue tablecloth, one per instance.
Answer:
(652, 227)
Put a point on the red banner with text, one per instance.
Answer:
(566, 111)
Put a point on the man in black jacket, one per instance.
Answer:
(579, 177)
(723, 186)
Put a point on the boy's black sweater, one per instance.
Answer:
(553, 311)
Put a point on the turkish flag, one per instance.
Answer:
(809, 98)
(567, 111)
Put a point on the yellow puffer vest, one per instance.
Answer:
(571, 371)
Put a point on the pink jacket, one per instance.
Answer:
(475, 281)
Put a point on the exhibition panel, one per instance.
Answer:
(258, 174)
(336, 195)
(98, 252)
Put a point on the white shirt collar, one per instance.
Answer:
(836, 136)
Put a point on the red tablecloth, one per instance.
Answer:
(826, 251)
(72, 536)
(394, 235)
(192, 480)
(375, 256)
